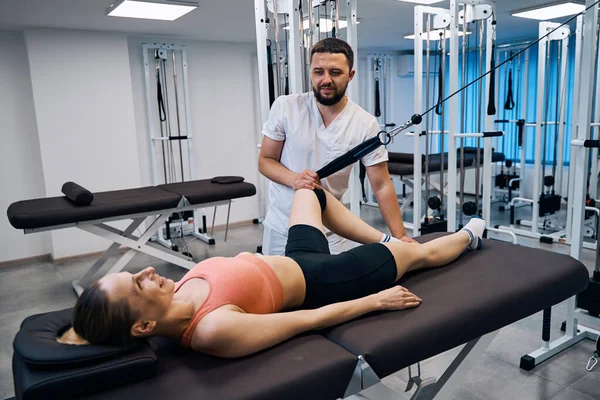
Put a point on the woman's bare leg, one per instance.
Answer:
(336, 217)
(437, 252)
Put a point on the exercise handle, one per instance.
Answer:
(521, 134)
(591, 143)
(377, 103)
(491, 109)
(492, 134)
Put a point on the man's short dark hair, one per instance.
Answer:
(334, 45)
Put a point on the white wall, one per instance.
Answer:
(20, 163)
(74, 108)
(84, 110)
(224, 114)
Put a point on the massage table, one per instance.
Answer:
(466, 302)
(153, 205)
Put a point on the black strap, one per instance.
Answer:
(438, 108)
(509, 104)
(161, 104)
(377, 95)
(270, 73)
(521, 126)
(287, 81)
(377, 102)
(362, 174)
(491, 109)
(353, 155)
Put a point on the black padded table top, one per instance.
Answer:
(52, 211)
(39, 213)
(480, 292)
(205, 191)
(306, 367)
(402, 163)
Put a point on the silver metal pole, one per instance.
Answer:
(583, 132)
(539, 119)
(453, 113)
(149, 114)
(294, 54)
(170, 158)
(427, 96)
(562, 117)
(463, 113)
(162, 128)
(575, 113)
(277, 49)
(335, 16)
(302, 45)
(482, 102)
(418, 109)
(353, 94)
(583, 121)
(523, 115)
(177, 112)
(593, 185)
(310, 42)
(442, 117)
(489, 125)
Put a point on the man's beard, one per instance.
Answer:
(329, 101)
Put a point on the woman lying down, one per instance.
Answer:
(232, 307)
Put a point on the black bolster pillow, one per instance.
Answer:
(77, 194)
(227, 179)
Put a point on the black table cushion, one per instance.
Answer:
(39, 213)
(306, 367)
(205, 191)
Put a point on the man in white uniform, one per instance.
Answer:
(306, 131)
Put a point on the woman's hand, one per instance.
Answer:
(396, 298)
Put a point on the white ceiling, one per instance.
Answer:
(383, 23)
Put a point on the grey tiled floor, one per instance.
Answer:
(39, 287)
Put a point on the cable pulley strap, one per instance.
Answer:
(521, 126)
(361, 176)
(270, 76)
(353, 155)
(509, 104)
(377, 99)
(161, 104)
(438, 107)
(491, 109)
(377, 103)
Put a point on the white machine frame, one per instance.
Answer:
(560, 34)
(475, 10)
(579, 163)
(151, 117)
(524, 99)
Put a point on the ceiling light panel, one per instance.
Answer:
(151, 9)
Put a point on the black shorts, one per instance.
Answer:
(355, 273)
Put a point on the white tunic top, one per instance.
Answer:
(310, 145)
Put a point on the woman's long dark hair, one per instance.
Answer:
(99, 320)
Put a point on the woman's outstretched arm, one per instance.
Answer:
(230, 334)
